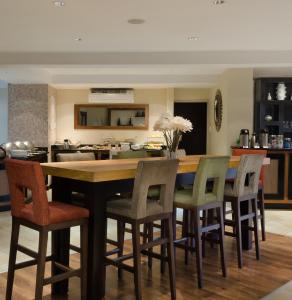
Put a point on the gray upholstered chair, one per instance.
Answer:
(244, 188)
(139, 210)
(206, 196)
(78, 156)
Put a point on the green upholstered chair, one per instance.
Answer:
(244, 188)
(140, 210)
(206, 195)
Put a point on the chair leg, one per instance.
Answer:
(185, 234)
(12, 258)
(198, 241)
(171, 261)
(238, 232)
(174, 229)
(220, 215)
(137, 260)
(262, 212)
(121, 238)
(41, 263)
(256, 230)
(150, 239)
(204, 234)
(83, 259)
(162, 248)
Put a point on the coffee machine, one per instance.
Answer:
(264, 138)
(244, 138)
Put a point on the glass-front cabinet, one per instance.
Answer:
(112, 116)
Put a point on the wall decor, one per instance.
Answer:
(218, 110)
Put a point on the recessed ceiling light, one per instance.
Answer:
(78, 39)
(59, 3)
(219, 2)
(136, 21)
(193, 38)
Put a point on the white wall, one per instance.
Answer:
(159, 100)
(3, 112)
(236, 86)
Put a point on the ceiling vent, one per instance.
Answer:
(113, 95)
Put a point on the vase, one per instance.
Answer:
(281, 91)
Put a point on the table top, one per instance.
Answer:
(116, 169)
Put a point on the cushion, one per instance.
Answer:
(58, 212)
(123, 207)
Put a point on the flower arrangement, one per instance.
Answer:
(172, 129)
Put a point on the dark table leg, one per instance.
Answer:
(96, 196)
(60, 238)
(246, 234)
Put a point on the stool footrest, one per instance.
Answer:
(27, 251)
(62, 276)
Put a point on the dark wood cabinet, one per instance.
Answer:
(275, 116)
(270, 113)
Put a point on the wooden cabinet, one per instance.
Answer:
(274, 115)
(111, 116)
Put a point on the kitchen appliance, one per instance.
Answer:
(264, 138)
(2, 153)
(244, 138)
(253, 140)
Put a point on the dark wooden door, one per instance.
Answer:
(193, 142)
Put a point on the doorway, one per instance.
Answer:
(193, 142)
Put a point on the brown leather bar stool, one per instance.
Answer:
(140, 210)
(203, 198)
(261, 193)
(42, 216)
(244, 188)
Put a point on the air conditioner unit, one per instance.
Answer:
(114, 95)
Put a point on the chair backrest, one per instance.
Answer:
(160, 173)
(211, 170)
(179, 153)
(62, 157)
(247, 176)
(238, 152)
(131, 154)
(27, 174)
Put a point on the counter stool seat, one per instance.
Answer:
(58, 212)
(140, 210)
(42, 216)
(207, 200)
(123, 207)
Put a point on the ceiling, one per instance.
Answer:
(37, 41)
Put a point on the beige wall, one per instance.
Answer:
(236, 86)
(159, 100)
(192, 94)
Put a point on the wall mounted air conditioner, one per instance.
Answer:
(114, 95)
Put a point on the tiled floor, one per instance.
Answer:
(277, 221)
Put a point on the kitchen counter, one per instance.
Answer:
(278, 178)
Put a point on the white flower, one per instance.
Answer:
(181, 124)
(163, 123)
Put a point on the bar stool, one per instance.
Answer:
(42, 216)
(261, 193)
(244, 188)
(140, 210)
(204, 199)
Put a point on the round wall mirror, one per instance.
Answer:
(218, 109)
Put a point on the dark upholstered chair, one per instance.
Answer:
(140, 210)
(42, 216)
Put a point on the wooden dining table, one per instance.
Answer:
(98, 181)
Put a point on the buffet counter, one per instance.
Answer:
(277, 185)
